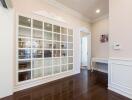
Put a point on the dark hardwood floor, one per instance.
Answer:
(83, 86)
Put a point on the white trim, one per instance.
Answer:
(44, 80)
(88, 34)
(85, 30)
(121, 59)
(69, 10)
(117, 90)
(50, 16)
(100, 70)
(120, 87)
(100, 18)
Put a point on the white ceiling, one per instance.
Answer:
(88, 7)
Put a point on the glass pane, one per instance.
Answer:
(37, 43)
(24, 43)
(24, 32)
(63, 45)
(37, 73)
(56, 37)
(37, 24)
(23, 76)
(47, 62)
(70, 67)
(70, 39)
(47, 35)
(24, 21)
(70, 32)
(47, 71)
(48, 26)
(23, 65)
(37, 34)
(64, 38)
(24, 54)
(70, 46)
(56, 28)
(47, 53)
(37, 63)
(56, 45)
(70, 53)
(48, 44)
(56, 53)
(37, 53)
(64, 68)
(63, 30)
(56, 69)
(64, 60)
(56, 61)
(64, 53)
(70, 60)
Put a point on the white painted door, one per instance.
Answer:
(84, 51)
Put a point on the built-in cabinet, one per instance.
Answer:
(43, 49)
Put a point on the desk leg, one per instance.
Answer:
(92, 68)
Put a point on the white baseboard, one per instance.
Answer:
(100, 70)
(43, 81)
(119, 91)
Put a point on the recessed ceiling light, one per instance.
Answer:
(98, 11)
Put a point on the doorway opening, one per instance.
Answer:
(85, 50)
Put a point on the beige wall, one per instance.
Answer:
(7, 38)
(98, 28)
(30, 6)
(121, 28)
(100, 50)
(27, 7)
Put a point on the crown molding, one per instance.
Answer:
(100, 18)
(68, 10)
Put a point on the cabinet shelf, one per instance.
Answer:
(24, 70)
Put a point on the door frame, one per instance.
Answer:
(88, 35)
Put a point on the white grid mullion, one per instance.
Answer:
(67, 49)
(31, 49)
(60, 50)
(52, 49)
(43, 48)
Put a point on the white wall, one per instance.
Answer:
(6, 52)
(120, 66)
(100, 50)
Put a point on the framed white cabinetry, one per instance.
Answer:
(43, 49)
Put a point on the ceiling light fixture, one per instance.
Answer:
(98, 11)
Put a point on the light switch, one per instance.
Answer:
(116, 46)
